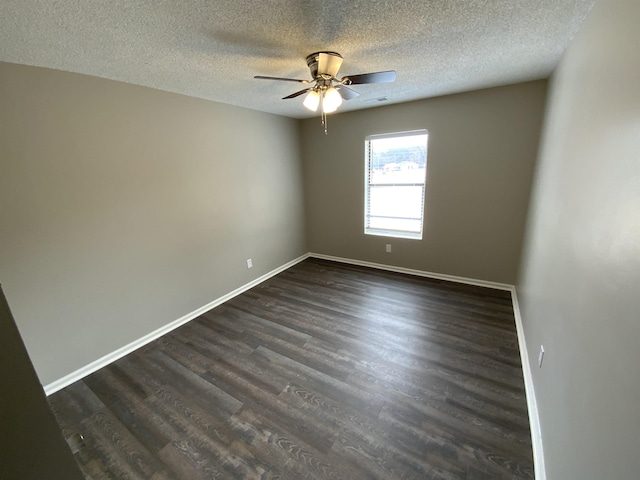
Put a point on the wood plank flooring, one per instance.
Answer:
(325, 371)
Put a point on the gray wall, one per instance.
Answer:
(481, 155)
(579, 287)
(124, 208)
(31, 444)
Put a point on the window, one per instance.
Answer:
(396, 170)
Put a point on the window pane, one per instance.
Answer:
(401, 159)
(396, 201)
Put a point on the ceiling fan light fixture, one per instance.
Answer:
(324, 67)
(331, 100)
(312, 100)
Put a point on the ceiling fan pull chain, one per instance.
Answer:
(323, 119)
(323, 114)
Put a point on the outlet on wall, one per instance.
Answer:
(249, 263)
(540, 356)
(388, 248)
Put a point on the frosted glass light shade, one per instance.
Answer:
(331, 101)
(312, 100)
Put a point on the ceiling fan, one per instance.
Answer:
(327, 90)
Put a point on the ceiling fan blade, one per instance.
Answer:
(346, 93)
(329, 64)
(377, 77)
(297, 94)
(262, 77)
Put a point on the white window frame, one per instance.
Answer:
(367, 185)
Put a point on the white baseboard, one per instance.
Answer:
(122, 351)
(419, 273)
(532, 406)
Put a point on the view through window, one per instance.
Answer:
(396, 169)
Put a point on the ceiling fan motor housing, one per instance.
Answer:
(313, 61)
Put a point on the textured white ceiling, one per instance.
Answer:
(212, 49)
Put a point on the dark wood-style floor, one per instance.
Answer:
(324, 371)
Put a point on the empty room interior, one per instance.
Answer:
(205, 279)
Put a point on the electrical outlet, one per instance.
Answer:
(388, 248)
(540, 356)
(249, 263)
